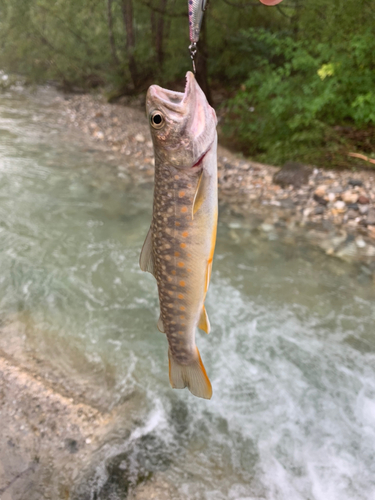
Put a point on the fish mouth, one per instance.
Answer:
(171, 100)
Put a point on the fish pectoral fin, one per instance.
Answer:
(199, 193)
(204, 322)
(160, 325)
(146, 259)
(192, 376)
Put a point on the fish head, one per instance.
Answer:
(183, 125)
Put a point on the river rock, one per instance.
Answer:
(292, 173)
(363, 209)
(363, 200)
(355, 182)
(352, 214)
(371, 217)
(350, 197)
(319, 210)
(320, 200)
(340, 206)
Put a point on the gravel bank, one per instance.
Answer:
(334, 209)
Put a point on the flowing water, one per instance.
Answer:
(291, 355)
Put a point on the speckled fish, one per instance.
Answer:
(180, 244)
(196, 11)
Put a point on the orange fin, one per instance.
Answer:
(204, 322)
(192, 376)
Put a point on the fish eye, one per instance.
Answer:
(157, 119)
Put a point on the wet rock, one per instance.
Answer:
(295, 174)
(360, 242)
(355, 182)
(371, 217)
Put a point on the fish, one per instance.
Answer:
(196, 11)
(180, 244)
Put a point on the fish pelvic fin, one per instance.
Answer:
(161, 325)
(192, 376)
(200, 193)
(204, 322)
(146, 259)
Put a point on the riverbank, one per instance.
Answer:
(334, 209)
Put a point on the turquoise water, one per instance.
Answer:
(291, 355)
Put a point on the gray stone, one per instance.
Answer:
(319, 210)
(292, 173)
(363, 209)
(355, 182)
(352, 214)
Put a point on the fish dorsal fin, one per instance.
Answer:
(199, 193)
(204, 322)
(160, 325)
(146, 260)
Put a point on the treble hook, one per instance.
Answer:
(193, 51)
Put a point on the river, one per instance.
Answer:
(291, 354)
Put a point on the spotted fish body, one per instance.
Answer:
(196, 11)
(179, 247)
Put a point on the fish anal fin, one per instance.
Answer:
(204, 322)
(146, 259)
(199, 196)
(160, 325)
(193, 376)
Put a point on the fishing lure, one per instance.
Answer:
(196, 12)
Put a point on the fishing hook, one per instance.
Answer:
(193, 52)
(193, 46)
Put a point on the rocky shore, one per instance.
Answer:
(334, 209)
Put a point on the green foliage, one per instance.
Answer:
(294, 72)
(303, 87)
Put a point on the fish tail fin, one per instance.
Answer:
(192, 376)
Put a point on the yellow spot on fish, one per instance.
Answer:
(176, 177)
(173, 272)
(177, 223)
(183, 245)
(180, 296)
(181, 194)
(189, 270)
(169, 278)
(177, 254)
(182, 308)
(184, 210)
(181, 264)
(185, 234)
(181, 333)
(182, 317)
(182, 283)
